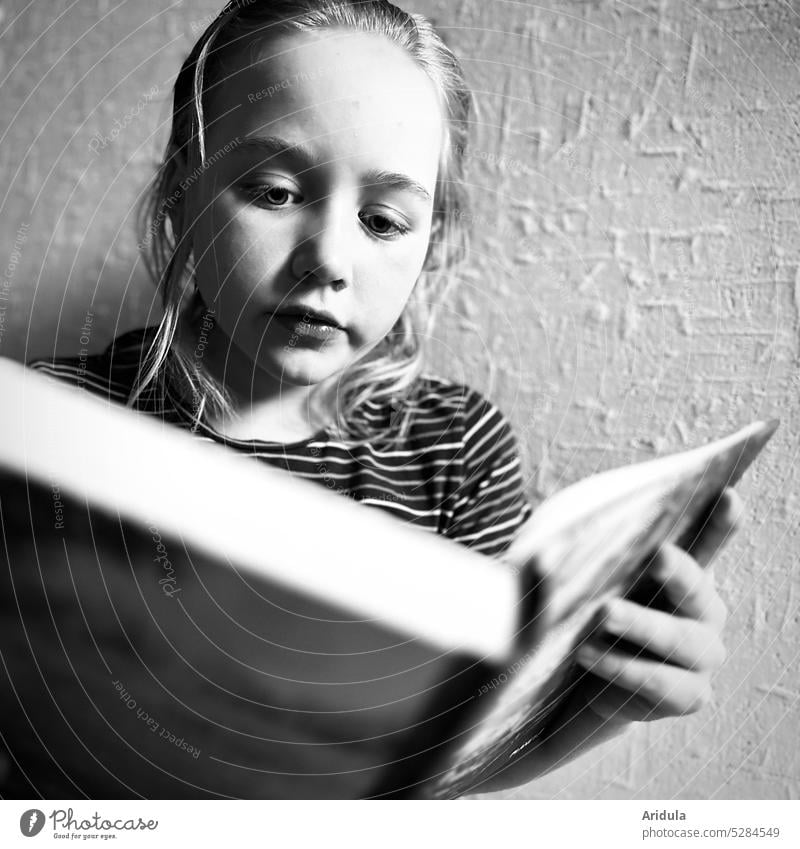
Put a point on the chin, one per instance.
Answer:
(301, 368)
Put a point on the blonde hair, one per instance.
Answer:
(389, 371)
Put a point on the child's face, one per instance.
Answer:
(364, 110)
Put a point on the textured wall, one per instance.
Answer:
(634, 284)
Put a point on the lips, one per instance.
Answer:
(310, 315)
(307, 328)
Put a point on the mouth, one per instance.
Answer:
(310, 316)
(307, 326)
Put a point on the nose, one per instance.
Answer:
(323, 253)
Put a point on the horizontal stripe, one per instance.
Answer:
(457, 472)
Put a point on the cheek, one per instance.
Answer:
(401, 268)
(388, 307)
(388, 296)
(231, 259)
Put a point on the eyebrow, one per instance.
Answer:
(276, 146)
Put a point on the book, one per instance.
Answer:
(178, 620)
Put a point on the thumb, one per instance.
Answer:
(707, 539)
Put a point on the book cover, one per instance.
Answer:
(177, 620)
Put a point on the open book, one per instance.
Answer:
(179, 620)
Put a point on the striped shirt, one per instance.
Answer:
(457, 473)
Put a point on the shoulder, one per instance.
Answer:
(479, 418)
(441, 420)
(433, 393)
(435, 411)
(111, 373)
(490, 503)
(458, 417)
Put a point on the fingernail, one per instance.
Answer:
(661, 568)
(614, 617)
(587, 655)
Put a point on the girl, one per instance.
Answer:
(300, 230)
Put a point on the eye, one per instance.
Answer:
(269, 195)
(384, 226)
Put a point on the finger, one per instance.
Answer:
(612, 702)
(688, 643)
(688, 588)
(723, 521)
(668, 689)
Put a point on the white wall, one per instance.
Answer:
(634, 285)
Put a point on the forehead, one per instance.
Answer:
(345, 94)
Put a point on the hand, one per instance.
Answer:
(667, 673)
(682, 645)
